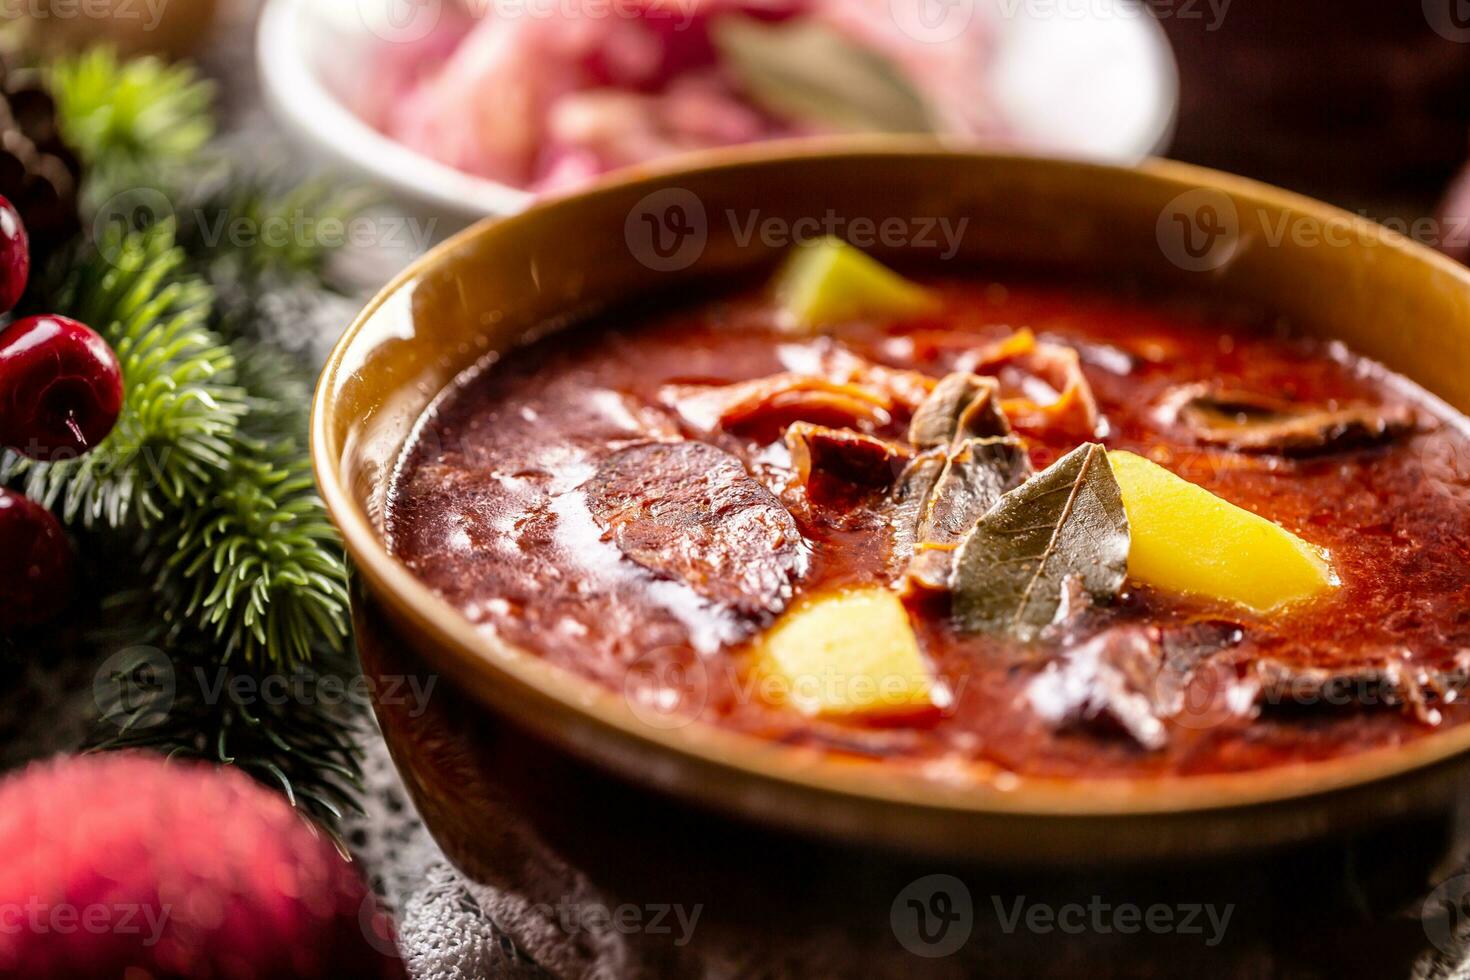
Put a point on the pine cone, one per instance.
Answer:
(38, 172)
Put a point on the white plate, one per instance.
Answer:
(1089, 78)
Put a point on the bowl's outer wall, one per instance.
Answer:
(489, 289)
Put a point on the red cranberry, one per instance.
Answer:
(35, 563)
(15, 256)
(60, 388)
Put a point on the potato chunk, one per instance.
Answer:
(1186, 539)
(828, 282)
(847, 654)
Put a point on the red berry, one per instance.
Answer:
(61, 388)
(15, 256)
(129, 866)
(35, 563)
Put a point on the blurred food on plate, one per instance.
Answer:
(547, 95)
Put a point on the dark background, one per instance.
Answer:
(1359, 102)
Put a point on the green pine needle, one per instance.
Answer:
(302, 745)
(258, 567)
(265, 228)
(277, 391)
(181, 405)
(209, 456)
(206, 475)
(128, 114)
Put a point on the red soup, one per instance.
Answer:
(1010, 532)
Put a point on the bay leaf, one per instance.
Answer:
(908, 500)
(1011, 570)
(982, 459)
(961, 406)
(970, 460)
(976, 475)
(806, 71)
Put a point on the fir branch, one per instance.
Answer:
(126, 117)
(205, 482)
(182, 407)
(186, 703)
(210, 455)
(259, 227)
(277, 390)
(255, 564)
(143, 129)
(258, 566)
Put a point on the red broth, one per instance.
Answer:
(488, 508)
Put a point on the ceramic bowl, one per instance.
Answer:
(489, 289)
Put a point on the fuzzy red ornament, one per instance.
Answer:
(127, 865)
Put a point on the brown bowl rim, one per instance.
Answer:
(482, 661)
